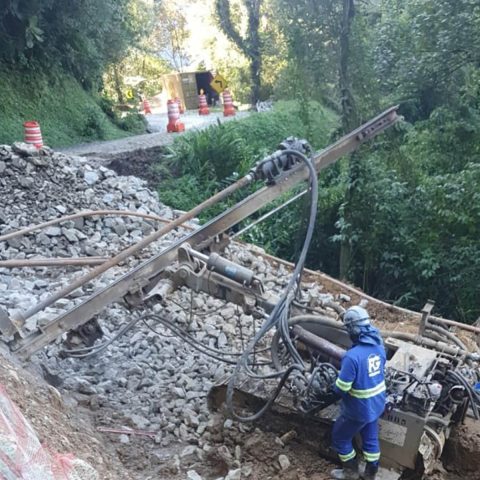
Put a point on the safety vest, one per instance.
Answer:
(361, 382)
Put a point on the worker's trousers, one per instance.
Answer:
(343, 432)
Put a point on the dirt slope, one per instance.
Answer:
(61, 425)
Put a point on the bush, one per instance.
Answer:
(107, 105)
(180, 191)
(95, 123)
(133, 122)
(210, 154)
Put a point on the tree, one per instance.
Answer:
(250, 43)
(349, 121)
(81, 36)
(170, 35)
(145, 71)
(425, 50)
(406, 210)
(413, 230)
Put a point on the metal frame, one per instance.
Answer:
(141, 276)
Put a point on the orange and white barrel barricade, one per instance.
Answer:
(146, 107)
(180, 105)
(33, 135)
(202, 105)
(174, 124)
(228, 108)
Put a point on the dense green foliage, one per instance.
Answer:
(52, 57)
(404, 212)
(67, 113)
(81, 36)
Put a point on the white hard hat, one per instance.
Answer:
(356, 316)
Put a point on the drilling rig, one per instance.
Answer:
(430, 375)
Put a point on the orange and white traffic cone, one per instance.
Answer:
(202, 104)
(174, 124)
(228, 108)
(33, 135)
(180, 105)
(146, 107)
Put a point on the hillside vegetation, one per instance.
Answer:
(203, 162)
(67, 113)
(52, 58)
(401, 217)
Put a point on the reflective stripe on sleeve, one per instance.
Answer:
(343, 386)
(347, 457)
(371, 457)
(369, 392)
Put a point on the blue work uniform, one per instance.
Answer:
(361, 383)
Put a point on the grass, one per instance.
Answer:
(67, 114)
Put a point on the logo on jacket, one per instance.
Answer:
(374, 365)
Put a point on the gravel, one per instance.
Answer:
(41, 185)
(145, 381)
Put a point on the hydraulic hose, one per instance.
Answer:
(445, 333)
(175, 329)
(279, 316)
(89, 213)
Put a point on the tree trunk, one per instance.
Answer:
(255, 67)
(253, 41)
(250, 46)
(118, 84)
(349, 120)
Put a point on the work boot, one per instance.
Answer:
(349, 471)
(371, 470)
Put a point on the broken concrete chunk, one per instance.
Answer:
(284, 462)
(91, 177)
(193, 475)
(234, 474)
(25, 149)
(53, 231)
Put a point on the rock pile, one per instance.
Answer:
(157, 383)
(41, 185)
(147, 380)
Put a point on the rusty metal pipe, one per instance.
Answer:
(452, 323)
(88, 213)
(52, 262)
(317, 343)
(362, 295)
(440, 346)
(19, 319)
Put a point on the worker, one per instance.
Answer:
(361, 385)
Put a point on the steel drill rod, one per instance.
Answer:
(20, 318)
(52, 262)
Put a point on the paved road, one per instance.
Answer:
(158, 124)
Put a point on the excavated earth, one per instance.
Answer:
(138, 409)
